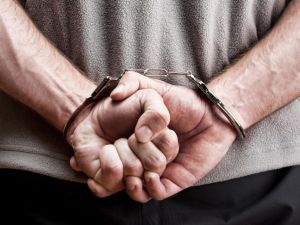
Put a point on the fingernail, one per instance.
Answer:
(144, 134)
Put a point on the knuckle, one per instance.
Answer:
(132, 141)
(168, 141)
(81, 155)
(155, 163)
(114, 169)
(133, 168)
(170, 145)
(172, 135)
(120, 142)
(163, 114)
(160, 118)
(173, 140)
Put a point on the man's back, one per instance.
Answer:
(105, 37)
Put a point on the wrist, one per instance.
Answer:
(221, 111)
(35, 73)
(229, 93)
(71, 95)
(60, 94)
(80, 117)
(224, 128)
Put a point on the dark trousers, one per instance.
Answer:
(270, 198)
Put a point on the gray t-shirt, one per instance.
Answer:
(104, 37)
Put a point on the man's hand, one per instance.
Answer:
(103, 153)
(204, 137)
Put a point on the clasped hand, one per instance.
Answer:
(149, 137)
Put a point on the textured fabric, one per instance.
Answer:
(272, 198)
(104, 37)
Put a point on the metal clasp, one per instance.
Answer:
(158, 73)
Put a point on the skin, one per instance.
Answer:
(102, 152)
(28, 62)
(261, 82)
(252, 89)
(203, 137)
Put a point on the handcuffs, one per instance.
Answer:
(109, 83)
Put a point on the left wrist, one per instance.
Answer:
(229, 93)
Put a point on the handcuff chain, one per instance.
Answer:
(109, 83)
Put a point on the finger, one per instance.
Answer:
(174, 179)
(135, 189)
(132, 166)
(88, 161)
(98, 189)
(86, 144)
(159, 188)
(150, 156)
(74, 164)
(133, 171)
(155, 118)
(132, 81)
(110, 175)
(167, 143)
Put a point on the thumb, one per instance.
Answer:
(132, 82)
(155, 117)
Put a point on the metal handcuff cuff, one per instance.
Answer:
(109, 83)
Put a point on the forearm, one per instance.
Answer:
(34, 72)
(268, 76)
